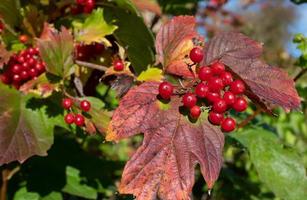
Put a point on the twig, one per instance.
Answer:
(250, 118)
(300, 74)
(6, 176)
(91, 65)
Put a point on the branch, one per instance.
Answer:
(300, 74)
(250, 118)
(91, 65)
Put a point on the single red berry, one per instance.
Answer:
(219, 106)
(23, 38)
(196, 54)
(31, 51)
(5, 78)
(237, 87)
(21, 59)
(67, 103)
(215, 84)
(76, 9)
(240, 104)
(166, 90)
(189, 100)
(204, 73)
(25, 66)
(118, 65)
(229, 98)
(217, 68)
(24, 75)
(16, 69)
(215, 118)
(31, 62)
(36, 50)
(195, 112)
(213, 97)
(89, 6)
(226, 77)
(33, 72)
(228, 124)
(16, 78)
(79, 120)
(69, 118)
(201, 90)
(85, 105)
(40, 67)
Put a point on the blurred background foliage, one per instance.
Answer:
(264, 160)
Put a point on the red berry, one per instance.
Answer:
(16, 69)
(21, 59)
(40, 67)
(213, 97)
(79, 120)
(237, 87)
(228, 124)
(189, 100)
(76, 9)
(85, 105)
(215, 84)
(118, 65)
(215, 118)
(67, 103)
(81, 2)
(89, 6)
(196, 54)
(16, 78)
(226, 77)
(201, 90)
(219, 106)
(31, 61)
(229, 98)
(204, 73)
(33, 72)
(166, 90)
(195, 112)
(31, 51)
(240, 104)
(217, 68)
(69, 118)
(5, 78)
(99, 48)
(24, 75)
(25, 66)
(23, 38)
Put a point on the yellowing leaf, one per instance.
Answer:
(94, 29)
(151, 74)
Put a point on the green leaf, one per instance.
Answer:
(133, 35)
(23, 194)
(301, 42)
(151, 74)
(279, 168)
(26, 126)
(53, 196)
(299, 1)
(9, 10)
(75, 186)
(94, 29)
(56, 50)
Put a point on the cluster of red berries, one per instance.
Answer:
(23, 67)
(216, 88)
(82, 6)
(85, 52)
(78, 119)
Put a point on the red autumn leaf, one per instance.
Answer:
(4, 56)
(163, 167)
(266, 84)
(174, 43)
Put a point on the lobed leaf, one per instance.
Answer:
(174, 42)
(163, 167)
(267, 85)
(56, 49)
(279, 168)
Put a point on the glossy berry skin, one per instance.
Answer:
(204, 73)
(5, 78)
(217, 68)
(228, 124)
(237, 87)
(16, 69)
(85, 105)
(24, 75)
(219, 106)
(166, 90)
(69, 118)
(23, 38)
(189, 100)
(215, 84)
(215, 118)
(240, 104)
(226, 77)
(79, 120)
(212, 97)
(229, 98)
(196, 55)
(16, 78)
(67, 103)
(201, 90)
(195, 112)
(118, 65)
